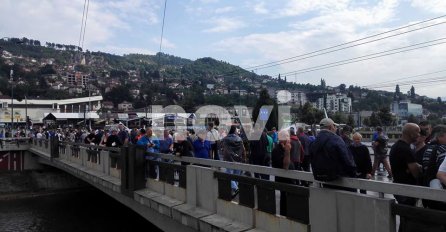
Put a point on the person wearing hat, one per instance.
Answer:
(330, 157)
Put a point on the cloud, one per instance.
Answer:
(119, 50)
(347, 19)
(298, 7)
(60, 21)
(333, 27)
(225, 25)
(166, 43)
(224, 10)
(434, 6)
(130, 10)
(260, 8)
(208, 1)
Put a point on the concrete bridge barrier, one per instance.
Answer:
(197, 197)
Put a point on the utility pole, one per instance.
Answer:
(11, 73)
(26, 114)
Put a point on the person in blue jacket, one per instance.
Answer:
(275, 136)
(152, 145)
(202, 147)
(149, 140)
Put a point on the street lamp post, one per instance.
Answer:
(12, 90)
(11, 73)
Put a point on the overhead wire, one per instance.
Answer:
(339, 49)
(420, 81)
(82, 24)
(363, 58)
(85, 24)
(162, 32)
(403, 78)
(350, 42)
(307, 55)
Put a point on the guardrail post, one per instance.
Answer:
(136, 168)
(54, 147)
(132, 172)
(132, 169)
(123, 162)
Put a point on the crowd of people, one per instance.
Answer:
(417, 158)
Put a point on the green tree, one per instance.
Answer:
(412, 92)
(374, 120)
(339, 118)
(412, 119)
(118, 95)
(397, 95)
(351, 121)
(342, 87)
(385, 117)
(47, 69)
(366, 122)
(310, 115)
(323, 84)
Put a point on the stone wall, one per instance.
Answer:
(20, 184)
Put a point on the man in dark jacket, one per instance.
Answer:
(113, 140)
(341, 162)
(233, 151)
(259, 153)
(305, 142)
(402, 161)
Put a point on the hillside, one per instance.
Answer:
(39, 72)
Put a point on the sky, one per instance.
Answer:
(257, 32)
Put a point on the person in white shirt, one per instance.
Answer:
(39, 135)
(214, 138)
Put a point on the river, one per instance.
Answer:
(86, 210)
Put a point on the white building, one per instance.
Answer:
(334, 103)
(36, 109)
(298, 98)
(404, 109)
(125, 106)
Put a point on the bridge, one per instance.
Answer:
(197, 196)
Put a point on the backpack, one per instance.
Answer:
(323, 164)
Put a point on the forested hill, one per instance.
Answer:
(160, 78)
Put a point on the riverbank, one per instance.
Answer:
(34, 183)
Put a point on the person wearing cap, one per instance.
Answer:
(327, 140)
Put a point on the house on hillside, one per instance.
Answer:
(125, 106)
(107, 105)
(240, 92)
